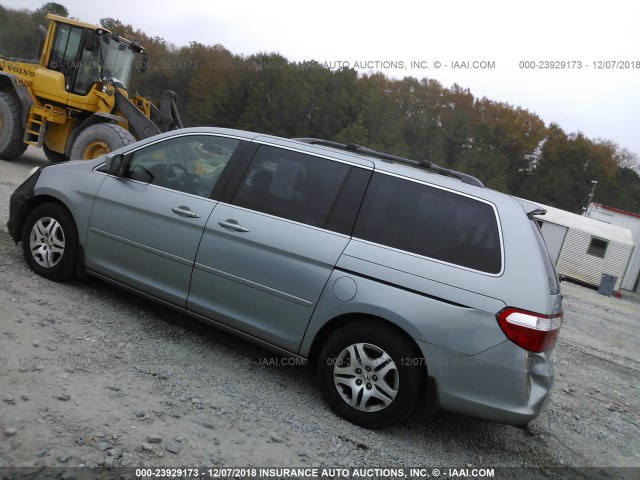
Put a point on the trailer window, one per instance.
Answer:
(597, 247)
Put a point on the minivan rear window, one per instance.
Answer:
(552, 276)
(431, 222)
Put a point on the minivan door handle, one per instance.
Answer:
(185, 211)
(233, 225)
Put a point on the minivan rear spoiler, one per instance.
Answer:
(530, 208)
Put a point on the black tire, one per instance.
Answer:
(54, 157)
(50, 242)
(11, 129)
(100, 139)
(376, 342)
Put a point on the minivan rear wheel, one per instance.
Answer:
(370, 374)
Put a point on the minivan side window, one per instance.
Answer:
(431, 222)
(190, 164)
(292, 185)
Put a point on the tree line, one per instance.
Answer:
(509, 148)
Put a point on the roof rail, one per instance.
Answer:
(423, 164)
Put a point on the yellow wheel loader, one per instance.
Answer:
(73, 100)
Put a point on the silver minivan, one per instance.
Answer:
(399, 281)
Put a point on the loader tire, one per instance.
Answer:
(11, 128)
(100, 139)
(54, 157)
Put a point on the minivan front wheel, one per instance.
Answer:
(50, 242)
(369, 374)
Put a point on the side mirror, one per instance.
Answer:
(115, 164)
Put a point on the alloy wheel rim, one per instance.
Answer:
(366, 377)
(47, 242)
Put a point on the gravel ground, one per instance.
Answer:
(93, 376)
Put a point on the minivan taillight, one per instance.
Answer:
(531, 331)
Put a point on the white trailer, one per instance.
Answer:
(621, 218)
(583, 248)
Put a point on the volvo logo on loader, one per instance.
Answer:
(20, 71)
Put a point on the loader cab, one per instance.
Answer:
(86, 54)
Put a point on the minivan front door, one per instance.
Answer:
(146, 226)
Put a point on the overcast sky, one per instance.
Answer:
(600, 102)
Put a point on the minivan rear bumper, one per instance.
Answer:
(505, 383)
